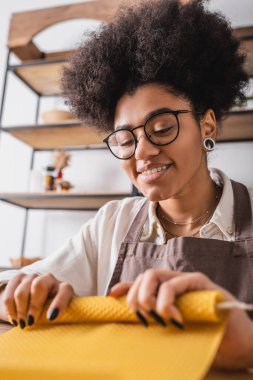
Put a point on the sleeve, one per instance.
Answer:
(87, 260)
(75, 262)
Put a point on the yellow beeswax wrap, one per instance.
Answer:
(99, 338)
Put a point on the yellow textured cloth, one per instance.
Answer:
(100, 338)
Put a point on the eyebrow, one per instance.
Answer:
(150, 114)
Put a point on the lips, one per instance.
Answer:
(151, 175)
(155, 170)
(152, 169)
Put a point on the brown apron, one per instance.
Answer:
(228, 263)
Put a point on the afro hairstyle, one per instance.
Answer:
(184, 47)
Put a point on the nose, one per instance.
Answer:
(145, 149)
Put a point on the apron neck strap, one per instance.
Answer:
(135, 230)
(242, 212)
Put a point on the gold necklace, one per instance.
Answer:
(186, 223)
(218, 196)
(206, 212)
(173, 235)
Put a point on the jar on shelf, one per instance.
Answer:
(49, 179)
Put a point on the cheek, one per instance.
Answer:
(189, 149)
(130, 168)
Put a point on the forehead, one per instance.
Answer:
(132, 109)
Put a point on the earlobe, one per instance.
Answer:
(208, 125)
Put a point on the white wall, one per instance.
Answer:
(48, 230)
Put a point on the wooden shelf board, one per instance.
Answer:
(44, 79)
(24, 26)
(244, 32)
(62, 201)
(237, 126)
(43, 137)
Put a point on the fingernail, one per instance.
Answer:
(14, 322)
(30, 320)
(177, 324)
(157, 318)
(54, 314)
(142, 319)
(22, 323)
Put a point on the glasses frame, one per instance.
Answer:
(172, 112)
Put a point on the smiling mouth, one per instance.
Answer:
(156, 170)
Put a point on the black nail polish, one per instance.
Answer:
(22, 323)
(14, 322)
(54, 314)
(177, 324)
(157, 318)
(30, 320)
(142, 319)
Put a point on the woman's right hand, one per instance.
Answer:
(25, 296)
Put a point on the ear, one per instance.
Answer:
(208, 125)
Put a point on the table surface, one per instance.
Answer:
(212, 375)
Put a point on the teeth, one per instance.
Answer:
(164, 167)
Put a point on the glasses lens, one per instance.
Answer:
(162, 129)
(122, 144)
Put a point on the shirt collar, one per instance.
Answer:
(223, 215)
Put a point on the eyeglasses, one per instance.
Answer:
(162, 128)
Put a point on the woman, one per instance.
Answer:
(158, 77)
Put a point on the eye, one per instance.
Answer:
(125, 143)
(163, 131)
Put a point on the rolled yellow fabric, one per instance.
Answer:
(94, 340)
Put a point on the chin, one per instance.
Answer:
(153, 195)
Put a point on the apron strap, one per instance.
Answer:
(134, 233)
(242, 212)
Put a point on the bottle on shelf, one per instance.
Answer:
(49, 179)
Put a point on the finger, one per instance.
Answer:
(8, 297)
(132, 295)
(171, 289)
(132, 301)
(148, 288)
(61, 300)
(42, 288)
(120, 289)
(22, 298)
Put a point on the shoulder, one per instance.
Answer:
(130, 205)
(123, 211)
(220, 177)
(111, 224)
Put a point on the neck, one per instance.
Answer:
(189, 204)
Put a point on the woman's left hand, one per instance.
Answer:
(156, 290)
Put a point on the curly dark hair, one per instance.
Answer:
(182, 46)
